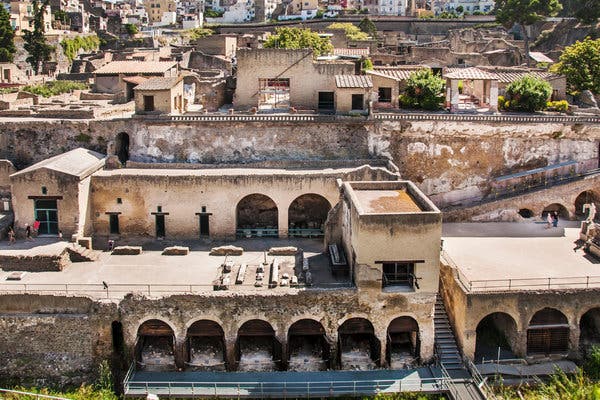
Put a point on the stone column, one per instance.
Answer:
(230, 356)
(284, 352)
(494, 96)
(180, 353)
(382, 337)
(454, 99)
(332, 339)
(426, 336)
(283, 220)
(574, 333)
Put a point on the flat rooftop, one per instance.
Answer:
(386, 201)
(519, 256)
(156, 275)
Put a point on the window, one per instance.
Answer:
(357, 101)
(44, 190)
(203, 209)
(159, 209)
(326, 101)
(119, 200)
(385, 95)
(399, 274)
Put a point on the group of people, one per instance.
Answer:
(552, 219)
(30, 231)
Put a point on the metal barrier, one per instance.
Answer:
(19, 393)
(479, 380)
(284, 389)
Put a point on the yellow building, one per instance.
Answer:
(21, 16)
(156, 8)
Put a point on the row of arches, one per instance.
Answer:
(548, 332)
(256, 347)
(258, 215)
(585, 197)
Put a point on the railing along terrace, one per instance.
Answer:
(117, 291)
(399, 116)
(284, 389)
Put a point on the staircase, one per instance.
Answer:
(445, 342)
(78, 253)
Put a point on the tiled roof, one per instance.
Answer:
(397, 74)
(357, 52)
(540, 57)
(353, 81)
(135, 67)
(508, 75)
(158, 84)
(469, 73)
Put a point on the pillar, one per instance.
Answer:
(282, 215)
(494, 96)
(426, 338)
(284, 352)
(180, 353)
(454, 95)
(332, 339)
(382, 337)
(230, 356)
(574, 336)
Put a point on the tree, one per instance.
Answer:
(424, 90)
(62, 17)
(528, 94)
(131, 29)
(198, 33)
(524, 13)
(460, 9)
(587, 11)
(368, 27)
(35, 42)
(296, 38)
(366, 64)
(352, 32)
(7, 37)
(580, 63)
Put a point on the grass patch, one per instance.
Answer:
(54, 88)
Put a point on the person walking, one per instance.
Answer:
(28, 233)
(549, 220)
(555, 219)
(11, 236)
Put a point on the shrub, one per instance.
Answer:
(425, 89)
(198, 33)
(297, 38)
(71, 47)
(213, 14)
(54, 88)
(501, 103)
(131, 29)
(560, 106)
(528, 94)
(352, 32)
(366, 64)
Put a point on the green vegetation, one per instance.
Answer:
(54, 88)
(213, 14)
(580, 63)
(7, 37)
(524, 13)
(131, 29)
(72, 46)
(587, 11)
(62, 17)
(198, 33)
(368, 27)
(424, 90)
(528, 94)
(297, 38)
(352, 31)
(35, 41)
(366, 64)
(559, 106)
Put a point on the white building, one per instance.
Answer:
(468, 6)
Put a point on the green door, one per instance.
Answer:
(46, 213)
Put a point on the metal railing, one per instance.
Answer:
(519, 284)
(118, 291)
(20, 394)
(284, 389)
(496, 118)
(479, 380)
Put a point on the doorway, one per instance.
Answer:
(46, 212)
(160, 226)
(204, 225)
(114, 224)
(357, 101)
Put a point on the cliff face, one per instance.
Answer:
(552, 41)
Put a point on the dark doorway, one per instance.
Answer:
(494, 337)
(357, 101)
(385, 95)
(46, 213)
(308, 348)
(117, 337)
(160, 226)
(403, 343)
(114, 224)
(204, 225)
(326, 101)
(205, 346)
(148, 103)
(155, 347)
(307, 215)
(358, 346)
(122, 147)
(548, 333)
(257, 348)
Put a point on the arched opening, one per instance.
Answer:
(155, 346)
(403, 343)
(587, 197)
(257, 348)
(206, 346)
(495, 336)
(307, 215)
(358, 346)
(526, 213)
(257, 216)
(562, 211)
(122, 147)
(589, 328)
(308, 348)
(548, 333)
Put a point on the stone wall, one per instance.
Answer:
(439, 156)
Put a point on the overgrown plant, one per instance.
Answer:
(351, 31)
(424, 90)
(528, 94)
(296, 38)
(72, 47)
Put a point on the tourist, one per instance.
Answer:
(11, 236)
(555, 219)
(28, 233)
(60, 234)
(549, 220)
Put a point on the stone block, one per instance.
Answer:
(127, 250)
(85, 242)
(226, 251)
(283, 251)
(176, 251)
